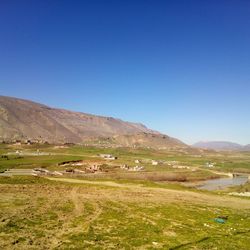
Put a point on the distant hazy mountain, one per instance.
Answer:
(247, 147)
(22, 120)
(221, 145)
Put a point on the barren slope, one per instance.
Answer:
(22, 119)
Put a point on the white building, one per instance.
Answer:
(155, 163)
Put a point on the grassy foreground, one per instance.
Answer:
(37, 213)
(118, 209)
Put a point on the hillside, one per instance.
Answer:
(221, 145)
(148, 140)
(23, 119)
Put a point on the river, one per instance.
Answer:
(222, 183)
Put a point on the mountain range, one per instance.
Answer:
(222, 145)
(26, 120)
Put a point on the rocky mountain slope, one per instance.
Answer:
(22, 120)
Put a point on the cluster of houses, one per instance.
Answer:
(93, 169)
(107, 156)
(89, 169)
(176, 165)
(128, 168)
(18, 142)
(173, 164)
(210, 164)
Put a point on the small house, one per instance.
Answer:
(209, 165)
(155, 163)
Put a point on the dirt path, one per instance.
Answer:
(102, 183)
(74, 197)
(97, 210)
(141, 193)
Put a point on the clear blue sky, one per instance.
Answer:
(180, 67)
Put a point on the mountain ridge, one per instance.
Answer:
(221, 145)
(27, 120)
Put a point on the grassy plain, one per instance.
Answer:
(120, 210)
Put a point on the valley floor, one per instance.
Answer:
(128, 203)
